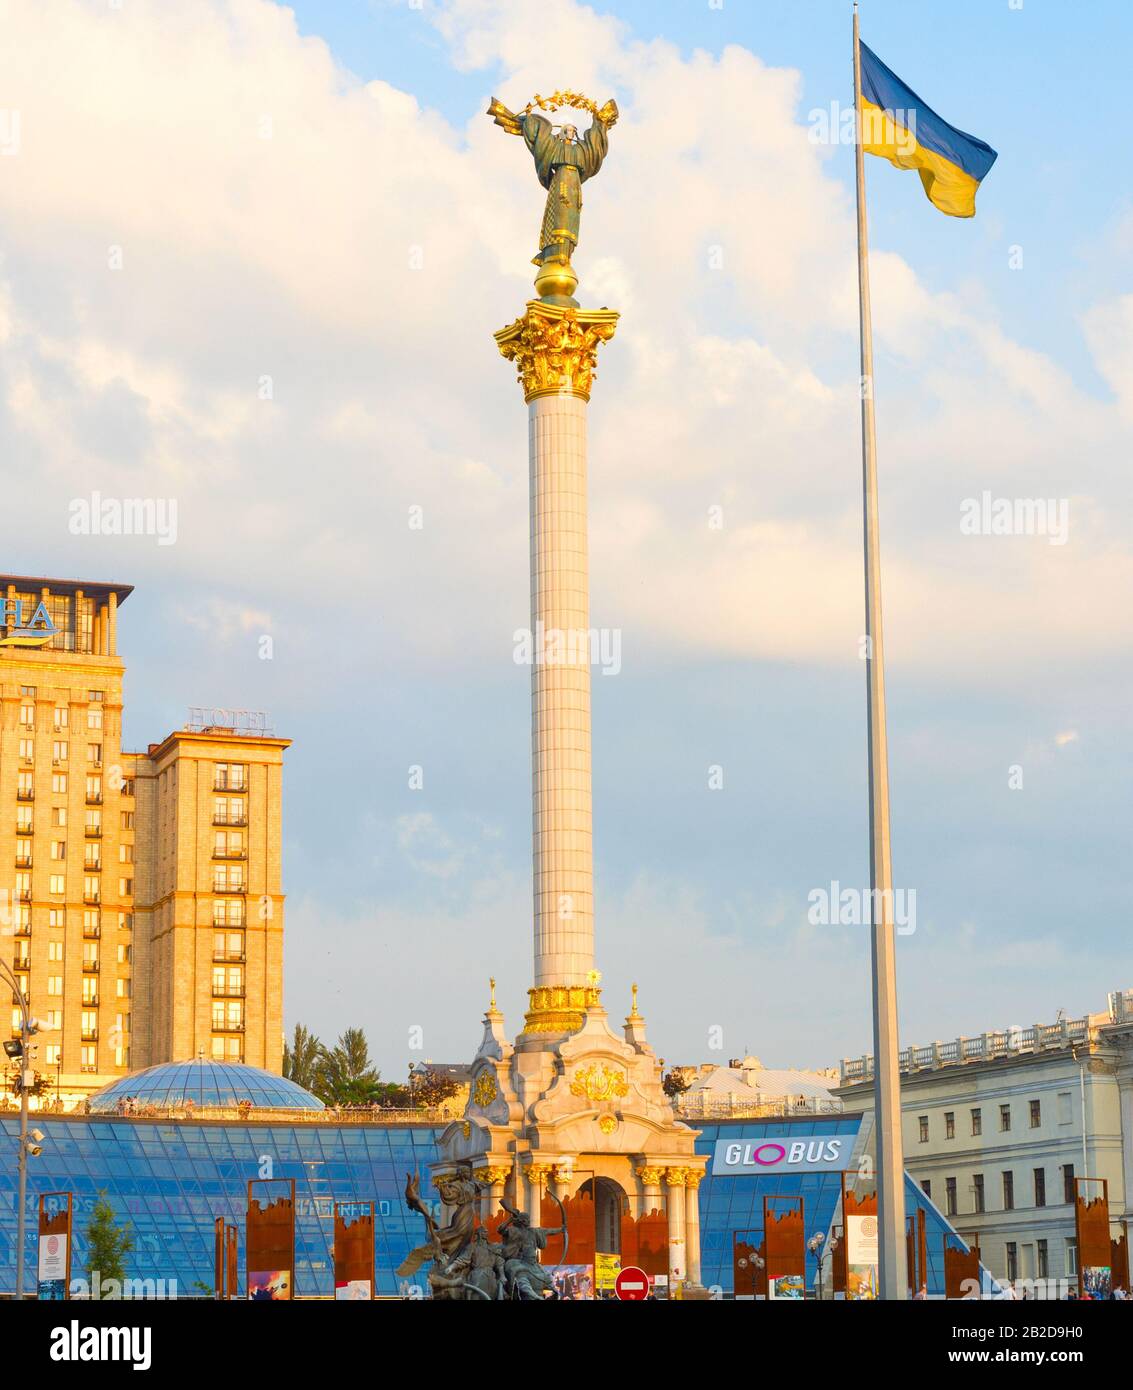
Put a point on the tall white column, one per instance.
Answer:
(555, 350)
(562, 843)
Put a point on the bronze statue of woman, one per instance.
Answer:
(563, 163)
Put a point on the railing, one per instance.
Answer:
(986, 1047)
(228, 992)
(228, 957)
(229, 853)
(230, 820)
(218, 887)
(265, 1114)
(709, 1105)
(93, 832)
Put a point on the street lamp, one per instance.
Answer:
(21, 1049)
(816, 1247)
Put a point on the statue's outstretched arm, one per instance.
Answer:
(512, 123)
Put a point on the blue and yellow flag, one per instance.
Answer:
(900, 127)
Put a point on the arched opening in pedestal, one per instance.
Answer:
(609, 1203)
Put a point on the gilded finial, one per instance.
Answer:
(633, 1006)
(492, 1001)
(594, 978)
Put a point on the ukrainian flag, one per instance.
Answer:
(900, 127)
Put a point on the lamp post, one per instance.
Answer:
(27, 1028)
(817, 1249)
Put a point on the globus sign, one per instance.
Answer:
(818, 1153)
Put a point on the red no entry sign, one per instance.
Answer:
(632, 1285)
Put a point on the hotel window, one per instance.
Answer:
(23, 917)
(1071, 1255)
(27, 750)
(950, 1196)
(23, 820)
(926, 1187)
(55, 984)
(21, 960)
(125, 921)
(125, 854)
(57, 884)
(228, 811)
(1036, 1113)
(54, 1054)
(977, 1121)
(127, 786)
(90, 1058)
(123, 990)
(922, 1128)
(92, 824)
(227, 980)
(123, 953)
(1068, 1192)
(59, 751)
(94, 754)
(53, 1020)
(125, 887)
(127, 820)
(228, 1015)
(27, 716)
(25, 786)
(59, 784)
(90, 1024)
(949, 1124)
(23, 887)
(59, 816)
(1012, 1261)
(58, 849)
(90, 989)
(1042, 1253)
(228, 946)
(23, 854)
(56, 917)
(92, 889)
(228, 878)
(94, 717)
(1008, 1191)
(90, 953)
(1040, 1187)
(1004, 1118)
(92, 921)
(231, 777)
(227, 1050)
(92, 856)
(978, 1203)
(55, 950)
(62, 716)
(94, 788)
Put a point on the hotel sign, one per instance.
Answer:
(817, 1153)
(36, 631)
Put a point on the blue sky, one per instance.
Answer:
(287, 256)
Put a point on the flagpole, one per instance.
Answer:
(892, 1277)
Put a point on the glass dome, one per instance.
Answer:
(169, 1085)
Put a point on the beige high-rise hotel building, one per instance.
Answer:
(140, 893)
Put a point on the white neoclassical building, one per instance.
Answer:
(997, 1127)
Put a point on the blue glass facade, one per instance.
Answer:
(170, 1181)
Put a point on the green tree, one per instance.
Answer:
(430, 1088)
(107, 1244)
(301, 1058)
(675, 1084)
(345, 1074)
